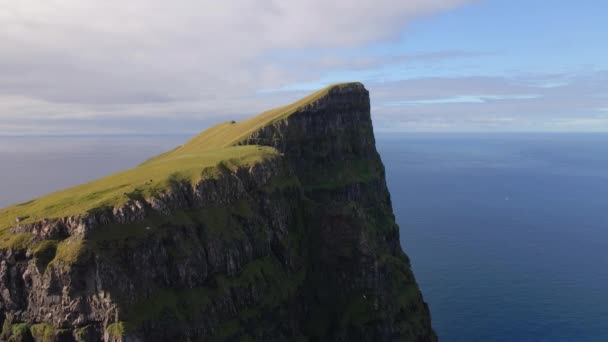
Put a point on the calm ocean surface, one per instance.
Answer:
(507, 233)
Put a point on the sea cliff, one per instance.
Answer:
(276, 228)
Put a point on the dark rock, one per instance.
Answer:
(304, 245)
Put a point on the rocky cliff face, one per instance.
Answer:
(301, 246)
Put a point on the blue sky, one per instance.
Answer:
(497, 38)
(177, 67)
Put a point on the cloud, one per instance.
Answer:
(462, 99)
(209, 53)
(518, 103)
(70, 66)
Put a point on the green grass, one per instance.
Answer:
(219, 221)
(181, 305)
(228, 133)
(117, 330)
(340, 174)
(68, 251)
(43, 332)
(142, 181)
(44, 252)
(21, 332)
(14, 241)
(199, 158)
(264, 274)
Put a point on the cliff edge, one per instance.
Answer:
(276, 228)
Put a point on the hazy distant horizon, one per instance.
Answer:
(378, 133)
(89, 157)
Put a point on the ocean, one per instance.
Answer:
(507, 233)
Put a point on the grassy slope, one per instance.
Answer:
(188, 162)
(143, 180)
(229, 134)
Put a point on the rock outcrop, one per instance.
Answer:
(300, 246)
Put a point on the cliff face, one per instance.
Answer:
(301, 244)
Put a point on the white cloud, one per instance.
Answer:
(461, 99)
(185, 53)
(513, 103)
(174, 49)
(149, 66)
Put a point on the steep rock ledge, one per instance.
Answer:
(300, 246)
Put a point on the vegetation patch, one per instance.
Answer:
(14, 241)
(179, 305)
(219, 222)
(20, 332)
(227, 331)
(282, 183)
(401, 279)
(69, 251)
(145, 180)
(7, 330)
(117, 330)
(44, 252)
(43, 332)
(340, 174)
(358, 312)
(231, 133)
(122, 235)
(265, 274)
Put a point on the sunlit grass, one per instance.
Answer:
(194, 160)
(142, 181)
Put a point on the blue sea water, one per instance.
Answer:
(507, 233)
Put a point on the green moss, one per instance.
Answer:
(358, 312)
(339, 174)
(20, 332)
(264, 274)
(63, 335)
(220, 223)
(402, 280)
(69, 251)
(243, 209)
(44, 252)
(223, 223)
(43, 332)
(81, 333)
(381, 219)
(117, 330)
(7, 330)
(227, 331)
(121, 235)
(180, 305)
(14, 241)
(282, 183)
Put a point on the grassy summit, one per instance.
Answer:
(229, 133)
(193, 161)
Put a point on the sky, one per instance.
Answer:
(172, 67)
